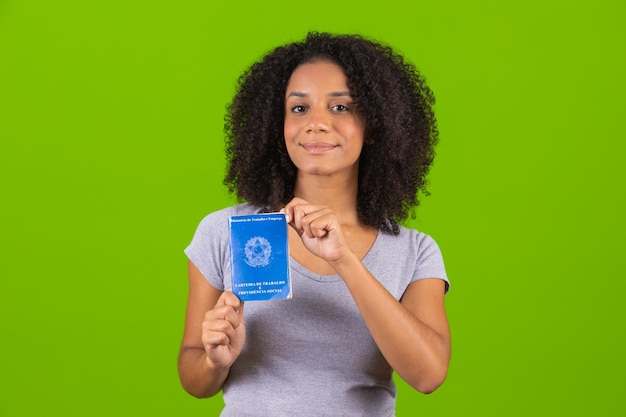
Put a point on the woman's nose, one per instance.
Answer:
(318, 121)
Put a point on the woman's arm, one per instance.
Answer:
(213, 337)
(412, 334)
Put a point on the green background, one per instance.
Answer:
(111, 151)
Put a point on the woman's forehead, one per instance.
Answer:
(322, 74)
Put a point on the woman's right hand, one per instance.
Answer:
(224, 331)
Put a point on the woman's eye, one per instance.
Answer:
(340, 108)
(298, 109)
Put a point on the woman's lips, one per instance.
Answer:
(317, 147)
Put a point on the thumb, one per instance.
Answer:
(228, 299)
(233, 301)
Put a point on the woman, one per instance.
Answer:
(338, 133)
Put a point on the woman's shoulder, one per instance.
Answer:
(217, 220)
(407, 236)
(236, 210)
(422, 249)
(412, 244)
(399, 259)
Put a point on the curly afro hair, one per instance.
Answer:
(390, 95)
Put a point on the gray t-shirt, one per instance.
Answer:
(312, 355)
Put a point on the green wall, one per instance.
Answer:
(111, 151)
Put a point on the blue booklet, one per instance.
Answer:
(259, 254)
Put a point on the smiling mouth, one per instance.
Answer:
(317, 147)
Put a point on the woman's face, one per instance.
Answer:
(323, 133)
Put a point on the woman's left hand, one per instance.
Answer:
(318, 228)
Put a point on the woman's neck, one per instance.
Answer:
(340, 196)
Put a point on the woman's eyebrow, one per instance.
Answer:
(339, 94)
(333, 94)
(297, 94)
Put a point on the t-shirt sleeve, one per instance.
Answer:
(429, 260)
(209, 250)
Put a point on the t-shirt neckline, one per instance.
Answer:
(334, 277)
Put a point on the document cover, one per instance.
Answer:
(259, 255)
